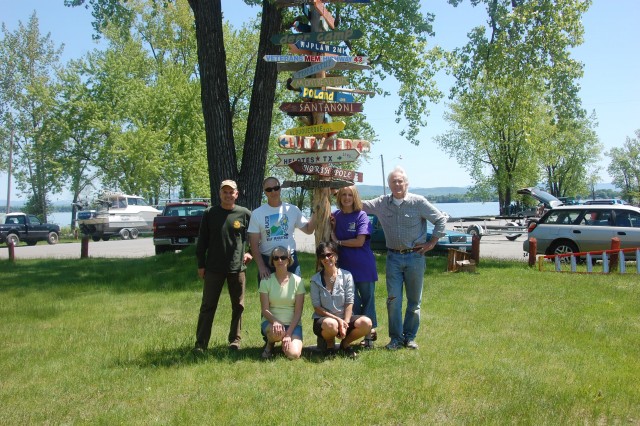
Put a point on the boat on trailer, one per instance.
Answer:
(117, 214)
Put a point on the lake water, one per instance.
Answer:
(453, 209)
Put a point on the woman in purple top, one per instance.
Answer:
(351, 231)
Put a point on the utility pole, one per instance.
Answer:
(9, 171)
(384, 187)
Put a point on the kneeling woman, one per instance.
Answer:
(332, 294)
(281, 299)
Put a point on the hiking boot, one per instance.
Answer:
(411, 344)
(394, 346)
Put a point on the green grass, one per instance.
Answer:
(108, 342)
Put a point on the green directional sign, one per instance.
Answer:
(324, 36)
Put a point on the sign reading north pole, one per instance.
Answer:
(344, 156)
(326, 171)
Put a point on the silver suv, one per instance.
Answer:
(581, 228)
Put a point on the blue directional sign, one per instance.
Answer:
(321, 47)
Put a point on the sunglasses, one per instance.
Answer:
(280, 258)
(272, 188)
(325, 255)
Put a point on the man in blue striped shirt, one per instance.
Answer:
(404, 217)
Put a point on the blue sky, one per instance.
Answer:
(609, 86)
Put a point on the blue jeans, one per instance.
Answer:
(364, 300)
(408, 270)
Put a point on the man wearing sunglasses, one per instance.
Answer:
(404, 217)
(221, 256)
(272, 225)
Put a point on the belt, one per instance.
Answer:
(403, 251)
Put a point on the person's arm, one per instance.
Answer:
(276, 326)
(203, 244)
(254, 241)
(353, 242)
(310, 226)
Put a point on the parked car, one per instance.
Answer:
(452, 239)
(581, 228)
(547, 201)
(18, 227)
(178, 225)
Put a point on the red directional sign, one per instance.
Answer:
(314, 184)
(333, 108)
(325, 170)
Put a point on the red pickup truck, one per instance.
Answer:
(178, 225)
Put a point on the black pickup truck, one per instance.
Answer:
(18, 227)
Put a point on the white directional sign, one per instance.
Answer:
(343, 156)
(314, 69)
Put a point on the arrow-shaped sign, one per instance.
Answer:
(310, 46)
(331, 108)
(316, 58)
(344, 156)
(319, 82)
(323, 36)
(285, 3)
(317, 129)
(313, 69)
(295, 66)
(325, 95)
(323, 144)
(324, 170)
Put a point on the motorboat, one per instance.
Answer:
(116, 213)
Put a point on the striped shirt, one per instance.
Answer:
(405, 225)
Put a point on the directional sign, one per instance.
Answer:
(336, 108)
(323, 144)
(362, 92)
(344, 156)
(315, 58)
(285, 3)
(295, 66)
(307, 46)
(323, 36)
(314, 184)
(319, 82)
(317, 129)
(324, 170)
(313, 69)
(325, 95)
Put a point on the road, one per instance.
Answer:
(491, 246)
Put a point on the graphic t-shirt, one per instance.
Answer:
(276, 226)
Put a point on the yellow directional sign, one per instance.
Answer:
(317, 129)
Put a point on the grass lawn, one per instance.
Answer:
(109, 342)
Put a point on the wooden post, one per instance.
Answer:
(533, 249)
(12, 251)
(84, 247)
(475, 249)
(615, 245)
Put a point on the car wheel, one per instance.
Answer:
(563, 247)
(124, 234)
(134, 233)
(160, 249)
(95, 238)
(52, 238)
(13, 238)
(512, 237)
(474, 230)
(31, 242)
(106, 237)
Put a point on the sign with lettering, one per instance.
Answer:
(315, 58)
(313, 69)
(335, 108)
(316, 129)
(325, 95)
(324, 170)
(310, 46)
(319, 82)
(286, 3)
(322, 66)
(358, 91)
(322, 36)
(314, 184)
(319, 157)
(323, 144)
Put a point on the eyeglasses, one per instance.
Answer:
(280, 258)
(325, 255)
(272, 188)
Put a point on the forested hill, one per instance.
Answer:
(369, 191)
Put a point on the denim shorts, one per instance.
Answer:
(297, 332)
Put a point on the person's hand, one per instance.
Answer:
(265, 272)
(332, 221)
(286, 341)
(423, 248)
(342, 329)
(201, 273)
(277, 329)
(247, 258)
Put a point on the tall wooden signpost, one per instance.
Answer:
(319, 147)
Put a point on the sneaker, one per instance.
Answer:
(348, 352)
(235, 345)
(198, 351)
(411, 344)
(394, 346)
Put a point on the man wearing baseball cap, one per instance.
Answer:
(222, 257)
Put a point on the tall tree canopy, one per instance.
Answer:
(625, 168)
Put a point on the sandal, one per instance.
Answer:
(367, 344)
(374, 334)
(267, 352)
